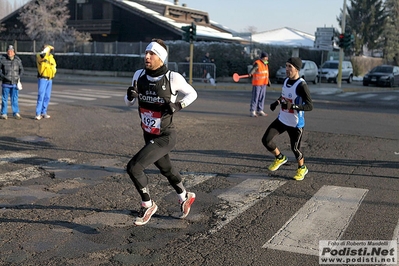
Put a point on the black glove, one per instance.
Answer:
(132, 92)
(286, 105)
(174, 107)
(274, 105)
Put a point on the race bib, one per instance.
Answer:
(150, 121)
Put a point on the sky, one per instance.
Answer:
(265, 15)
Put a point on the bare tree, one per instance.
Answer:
(46, 21)
(2, 28)
(251, 29)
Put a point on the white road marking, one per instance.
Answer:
(111, 93)
(72, 97)
(22, 174)
(396, 234)
(389, 98)
(345, 94)
(366, 96)
(12, 157)
(243, 196)
(324, 217)
(97, 95)
(52, 99)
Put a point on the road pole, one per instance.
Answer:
(190, 80)
(341, 50)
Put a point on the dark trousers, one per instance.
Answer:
(276, 128)
(156, 151)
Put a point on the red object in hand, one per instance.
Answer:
(237, 77)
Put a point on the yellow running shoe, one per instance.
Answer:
(300, 173)
(277, 163)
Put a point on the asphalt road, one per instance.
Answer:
(66, 200)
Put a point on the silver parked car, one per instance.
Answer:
(329, 71)
(308, 72)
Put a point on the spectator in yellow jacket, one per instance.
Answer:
(46, 69)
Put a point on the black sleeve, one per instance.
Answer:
(303, 92)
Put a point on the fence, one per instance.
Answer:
(198, 71)
(93, 48)
(115, 48)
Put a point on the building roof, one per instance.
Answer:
(168, 13)
(285, 36)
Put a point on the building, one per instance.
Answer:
(285, 36)
(132, 21)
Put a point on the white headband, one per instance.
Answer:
(157, 49)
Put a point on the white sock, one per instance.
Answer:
(146, 204)
(182, 196)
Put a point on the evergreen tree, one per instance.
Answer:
(391, 31)
(366, 20)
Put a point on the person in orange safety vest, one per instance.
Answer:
(260, 79)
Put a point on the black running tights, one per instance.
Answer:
(156, 151)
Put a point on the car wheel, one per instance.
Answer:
(316, 79)
(391, 83)
(365, 84)
(350, 79)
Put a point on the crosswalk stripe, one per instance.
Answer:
(12, 157)
(242, 197)
(193, 179)
(52, 99)
(396, 234)
(83, 94)
(366, 96)
(22, 174)
(326, 92)
(73, 97)
(346, 94)
(388, 98)
(112, 93)
(23, 102)
(324, 217)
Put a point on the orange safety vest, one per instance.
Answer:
(261, 76)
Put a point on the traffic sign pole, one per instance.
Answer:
(341, 49)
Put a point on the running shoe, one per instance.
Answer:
(300, 173)
(145, 214)
(186, 205)
(277, 163)
(38, 117)
(46, 116)
(4, 117)
(17, 116)
(253, 114)
(261, 113)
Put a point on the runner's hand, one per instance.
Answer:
(174, 107)
(132, 92)
(286, 105)
(274, 105)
